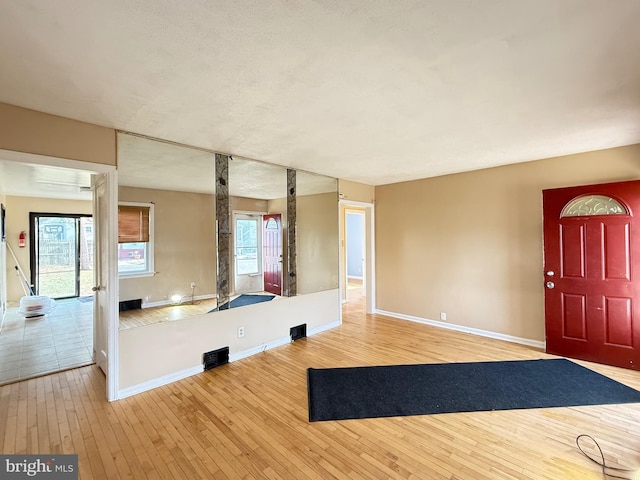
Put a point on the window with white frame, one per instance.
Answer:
(247, 246)
(135, 239)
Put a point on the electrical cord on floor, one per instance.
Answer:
(193, 292)
(632, 473)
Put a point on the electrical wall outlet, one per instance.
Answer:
(443, 316)
(193, 284)
(240, 332)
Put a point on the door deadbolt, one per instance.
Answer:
(550, 273)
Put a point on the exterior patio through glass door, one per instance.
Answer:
(61, 254)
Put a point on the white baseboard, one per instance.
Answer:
(165, 303)
(259, 349)
(462, 328)
(323, 328)
(159, 382)
(174, 377)
(279, 342)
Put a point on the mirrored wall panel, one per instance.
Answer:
(166, 249)
(170, 257)
(317, 233)
(258, 214)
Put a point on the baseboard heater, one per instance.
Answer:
(130, 305)
(215, 358)
(298, 332)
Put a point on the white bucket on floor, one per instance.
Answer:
(36, 306)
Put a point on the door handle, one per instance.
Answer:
(97, 289)
(550, 285)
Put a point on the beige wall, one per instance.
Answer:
(184, 245)
(248, 204)
(317, 242)
(18, 209)
(29, 131)
(356, 192)
(470, 244)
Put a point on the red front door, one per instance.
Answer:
(272, 253)
(592, 259)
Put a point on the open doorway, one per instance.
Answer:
(248, 253)
(52, 256)
(357, 273)
(67, 336)
(257, 253)
(355, 260)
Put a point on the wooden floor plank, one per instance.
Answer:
(249, 419)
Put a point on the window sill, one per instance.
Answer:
(124, 276)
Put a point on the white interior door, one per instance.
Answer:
(105, 288)
(3, 266)
(3, 279)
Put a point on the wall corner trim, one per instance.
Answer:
(159, 382)
(462, 328)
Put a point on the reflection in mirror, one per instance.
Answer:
(257, 256)
(167, 259)
(317, 232)
(168, 263)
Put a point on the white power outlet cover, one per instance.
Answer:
(240, 332)
(443, 316)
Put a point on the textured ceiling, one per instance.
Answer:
(370, 91)
(32, 180)
(146, 163)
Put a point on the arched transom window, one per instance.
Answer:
(271, 224)
(593, 205)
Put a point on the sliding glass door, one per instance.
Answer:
(61, 254)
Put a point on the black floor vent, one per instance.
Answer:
(130, 305)
(298, 332)
(215, 358)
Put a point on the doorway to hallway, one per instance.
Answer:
(357, 255)
(355, 260)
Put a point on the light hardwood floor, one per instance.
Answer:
(248, 419)
(171, 313)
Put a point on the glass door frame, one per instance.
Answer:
(33, 250)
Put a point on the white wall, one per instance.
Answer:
(156, 354)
